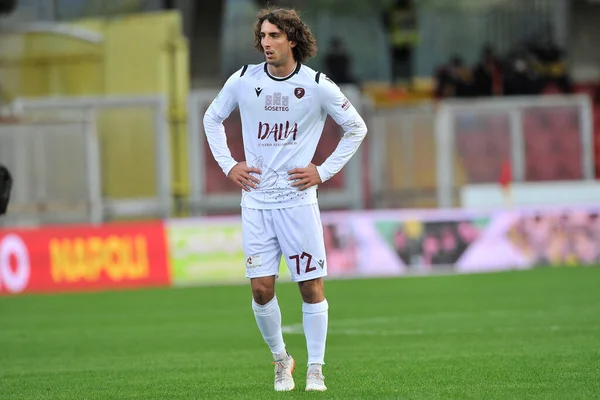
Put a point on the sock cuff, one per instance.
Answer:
(267, 308)
(315, 308)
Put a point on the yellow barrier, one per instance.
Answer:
(138, 54)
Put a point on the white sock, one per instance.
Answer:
(314, 320)
(314, 369)
(268, 319)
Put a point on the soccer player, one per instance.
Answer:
(283, 106)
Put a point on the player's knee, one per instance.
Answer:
(312, 291)
(263, 293)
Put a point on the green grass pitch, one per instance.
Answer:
(515, 335)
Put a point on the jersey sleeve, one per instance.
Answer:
(217, 112)
(344, 114)
(334, 102)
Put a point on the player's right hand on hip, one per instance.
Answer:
(241, 175)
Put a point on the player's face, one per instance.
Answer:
(275, 44)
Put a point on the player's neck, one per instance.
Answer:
(282, 71)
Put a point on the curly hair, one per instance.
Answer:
(289, 22)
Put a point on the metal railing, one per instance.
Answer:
(107, 156)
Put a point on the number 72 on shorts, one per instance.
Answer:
(304, 263)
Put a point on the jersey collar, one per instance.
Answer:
(285, 78)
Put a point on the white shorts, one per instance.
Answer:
(294, 232)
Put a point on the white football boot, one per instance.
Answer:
(284, 369)
(315, 381)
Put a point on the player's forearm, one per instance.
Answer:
(354, 133)
(217, 141)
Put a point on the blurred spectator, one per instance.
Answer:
(400, 20)
(520, 79)
(338, 64)
(549, 62)
(454, 79)
(488, 74)
(534, 69)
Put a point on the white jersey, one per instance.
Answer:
(282, 122)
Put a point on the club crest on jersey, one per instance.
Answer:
(299, 92)
(277, 102)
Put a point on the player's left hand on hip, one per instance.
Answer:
(305, 177)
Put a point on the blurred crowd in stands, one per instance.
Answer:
(535, 68)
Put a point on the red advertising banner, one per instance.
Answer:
(83, 258)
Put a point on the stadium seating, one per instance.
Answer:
(552, 145)
(551, 138)
(593, 90)
(482, 145)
